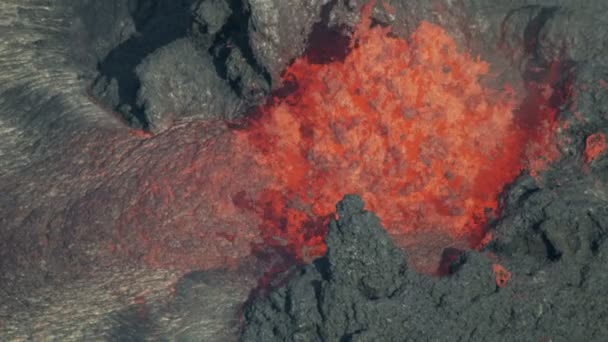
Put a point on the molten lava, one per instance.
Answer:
(595, 145)
(406, 125)
(501, 275)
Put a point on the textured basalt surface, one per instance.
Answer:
(363, 290)
(246, 44)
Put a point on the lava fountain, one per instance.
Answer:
(407, 125)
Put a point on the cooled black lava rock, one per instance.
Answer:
(100, 26)
(279, 30)
(209, 17)
(156, 24)
(177, 82)
(242, 48)
(362, 290)
(360, 252)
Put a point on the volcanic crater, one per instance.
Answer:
(270, 170)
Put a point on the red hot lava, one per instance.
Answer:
(595, 145)
(407, 125)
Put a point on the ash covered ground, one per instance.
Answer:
(111, 113)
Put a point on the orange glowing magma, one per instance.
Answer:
(406, 125)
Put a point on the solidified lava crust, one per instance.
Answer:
(364, 290)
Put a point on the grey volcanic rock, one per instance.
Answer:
(363, 291)
(210, 16)
(243, 45)
(131, 304)
(179, 82)
(279, 30)
(252, 42)
(360, 253)
(100, 26)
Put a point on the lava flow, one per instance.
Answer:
(406, 125)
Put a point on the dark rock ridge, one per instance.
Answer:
(162, 61)
(362, 289)
(243, 46)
